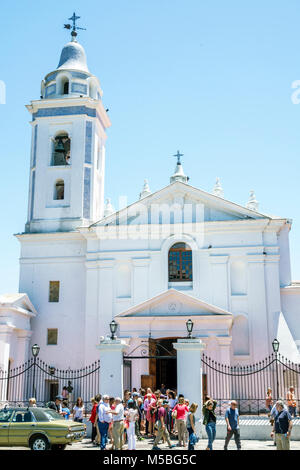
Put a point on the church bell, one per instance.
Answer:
(60, 147)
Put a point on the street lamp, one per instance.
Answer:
(113, 328)
(275, 346)
(35, 352)
(189, 326)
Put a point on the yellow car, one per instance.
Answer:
(38, 428)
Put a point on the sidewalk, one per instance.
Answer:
(218, 445)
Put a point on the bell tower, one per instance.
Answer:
(67, 165)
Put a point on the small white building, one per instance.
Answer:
(176, 254)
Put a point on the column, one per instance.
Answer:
(91, 317)
(111, 366)
(219, 269)
(140, 279)
(189, 373)
(273, 299)
(23, 339)
(224, 358)
(258, 318)
(106, 296)
(6, 332)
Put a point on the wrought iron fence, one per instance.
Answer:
(248, 384)
(37, 379)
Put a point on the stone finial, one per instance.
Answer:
(252, 204)
(218, 190)
(146, 190)
(109, 208)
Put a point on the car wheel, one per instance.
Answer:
(58, 446)
(39, 443)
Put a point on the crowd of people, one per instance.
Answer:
(143, 414)
(162, 415)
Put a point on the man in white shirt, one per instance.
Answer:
(118, 423)
(104, 419)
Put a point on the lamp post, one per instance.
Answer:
(275, 346)
(35, 352)
(113, 328)
(189, 326)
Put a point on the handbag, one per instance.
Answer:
(194, 439)
(174, 414)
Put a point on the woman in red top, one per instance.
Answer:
(181, 410)
(93, 419)
(149, 391)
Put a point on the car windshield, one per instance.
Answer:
(52, 415)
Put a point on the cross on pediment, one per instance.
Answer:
(178, 155)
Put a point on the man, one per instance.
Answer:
(232, 421)
(118, 423)
(282, 427)
(135, 397)
(273, 413)
(163, 389)
(162, 431)
(104, 419)
(58, 402)
(291, 402)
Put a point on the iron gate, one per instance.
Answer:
(248, 384)
(37, 379)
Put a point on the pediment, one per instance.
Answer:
(179, 202)
(18, 302)
(173, 303)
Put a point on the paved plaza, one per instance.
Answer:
(146, 444)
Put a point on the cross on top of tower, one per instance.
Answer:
(73, 18)
(178, 155)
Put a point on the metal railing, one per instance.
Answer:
(248, 384)
(37, 379)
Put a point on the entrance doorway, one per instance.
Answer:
(164, 367)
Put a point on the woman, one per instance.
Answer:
(190, 424)
(209, 421)
(32, 402)
(269, 400)
(78, 410)
(127, 396)
(140, 408)
(186, 435)
(179, 413)
(92, 419)
(172, 402)
(149, 408)
(131, 415)
(112, 406)
(149, 391)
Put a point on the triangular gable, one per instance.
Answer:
(215, 208)
(19, 302)
(173, 303)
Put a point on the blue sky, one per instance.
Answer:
(210, 78)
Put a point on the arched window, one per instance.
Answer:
(59, 190)
(180, 263)
(61, 150)
(66, 87)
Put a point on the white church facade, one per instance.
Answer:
(176, 254)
